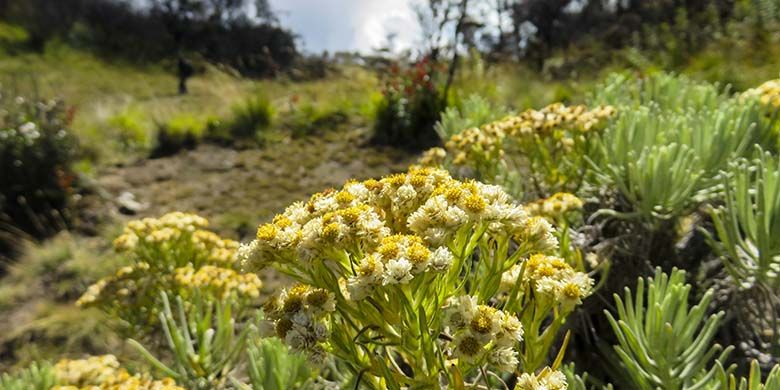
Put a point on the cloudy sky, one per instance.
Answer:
(339, 25)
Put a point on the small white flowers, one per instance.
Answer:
(482, 332)
(547, 379)
(397, 271)
(441, 259)
(297, 317)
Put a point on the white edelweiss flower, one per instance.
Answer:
(549, 287)
(555, 380)
(510, 332)
(295, 339)
(310, 232)
(441, 259)
(297, 213)
(493, 193)
(458, 311)
(301, 318)
(326, 203)
(505, 359)
(528, 381)
(369, 224)
(320, 331)
(455, 216)
(397, 271)
(358, 288)
(510, 278)
(287, 237)
(358, 190)
(405, 194)
(467, 347)
(435, 236)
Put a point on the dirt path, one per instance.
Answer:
(237, 190)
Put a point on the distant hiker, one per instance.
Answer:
(185, 71)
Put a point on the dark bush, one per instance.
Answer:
(181, 132)
(410, 106)
(251, 116)
(36, 153)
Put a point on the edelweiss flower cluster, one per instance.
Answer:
(297, 318)
(176, 232)
(398, 260)
(123, 284)
(357, 218)
(550, 278)
(547, 379)
(768, 93)
(171, 253)
(556, 206)
(482, 333)
(104, 372)
(221, 282)
(488, 141)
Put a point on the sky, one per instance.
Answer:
(349, 25)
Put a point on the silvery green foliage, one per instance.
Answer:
(205, 342)
(271, 365)
(663, 343)
(748, 224)
(474, 112)
(747, 227)
(660, 153)
(753, 380)
(39, 376)
(581, 382)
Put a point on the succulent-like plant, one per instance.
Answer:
(271, 365)
(664, 344)
(205, 344)
(39, 376)
(748, 224)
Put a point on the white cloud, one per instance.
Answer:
(361, 25)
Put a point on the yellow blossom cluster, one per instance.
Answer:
(222, 282)
(556, 206)
(551, 278)
(123, 283)
(104, 373)
(426, 202)
(172, 253)
(397, 260)
(177, 231)
(488, 141)
(767, 93)
(482, 334)
(297, 318)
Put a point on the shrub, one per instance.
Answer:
(205, 344)
(309, 118)
(541, 150)
(410, 106)
(747, 227)
(272, 366)
(36, 377)
(663, 342)
(130, 130)
(37, 150)
(253, 115)
(397, 276)
(184, 131)
(475, 111)
(175, 254)
(659, 154)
